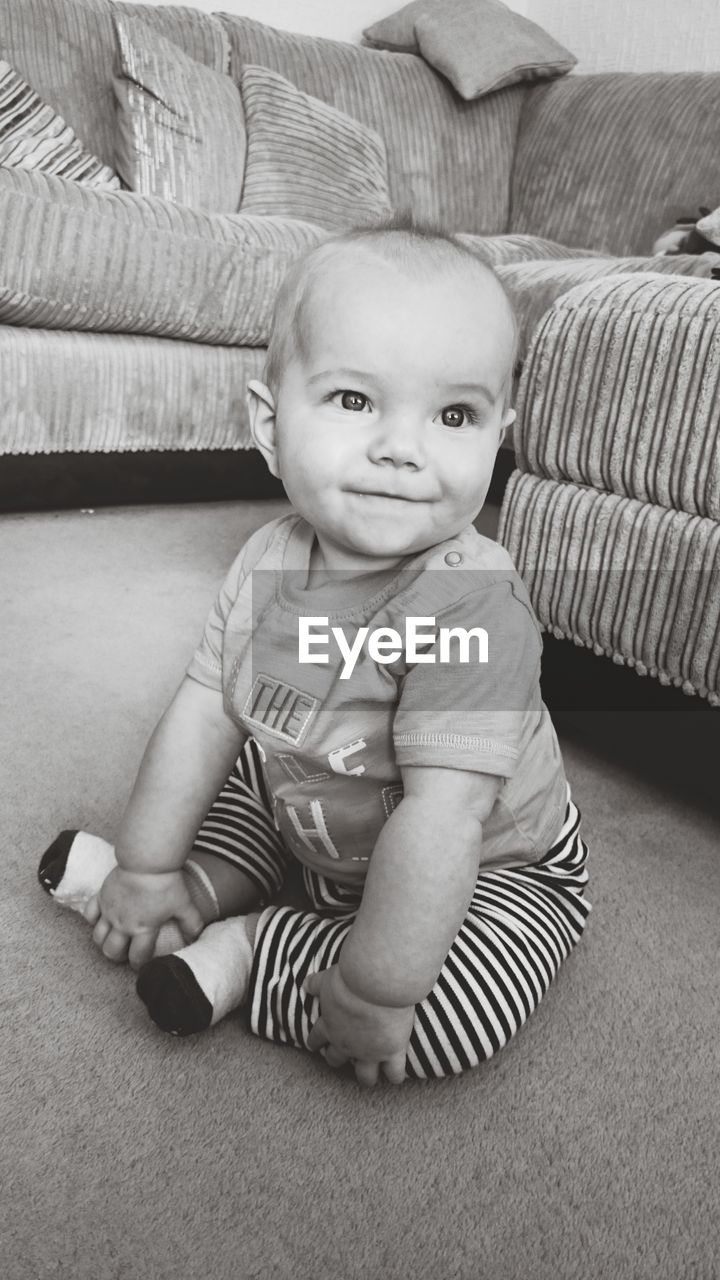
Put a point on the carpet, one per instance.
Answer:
(588, 1149)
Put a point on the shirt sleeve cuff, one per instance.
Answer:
(205, 672)
(456, 751)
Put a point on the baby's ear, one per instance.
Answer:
(507, 421)
(261, 412)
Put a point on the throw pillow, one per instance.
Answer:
(306, 159)
(34, 136)
(479, 45)
(180, 125)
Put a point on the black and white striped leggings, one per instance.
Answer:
(521, 924)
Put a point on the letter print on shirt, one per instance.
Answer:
(279, 708)
(297, 771)
(337, 758)
(314, 834)
(391, 797)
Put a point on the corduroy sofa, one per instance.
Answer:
(563, 186)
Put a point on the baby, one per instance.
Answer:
(365, 699)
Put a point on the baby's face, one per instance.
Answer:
(389, 419)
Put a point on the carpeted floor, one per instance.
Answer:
(588, 1149)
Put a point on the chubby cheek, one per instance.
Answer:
(306, 473)
(465, 489)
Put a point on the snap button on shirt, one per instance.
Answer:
(453, 558)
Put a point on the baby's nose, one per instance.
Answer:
(399, 443)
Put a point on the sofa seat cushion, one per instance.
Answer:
(76, 258)
(180, 124)
(308, 160)
(69, 392)
(572, 547)
(610, 161)
(448, 161)
(479, 45)
(501, 250)
(620, 391)
(34, 136)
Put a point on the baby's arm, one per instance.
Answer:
(419, 886)
(186, 762)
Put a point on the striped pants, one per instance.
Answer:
(521, 924)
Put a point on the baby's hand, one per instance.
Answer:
(131, 908)
(373, 1037)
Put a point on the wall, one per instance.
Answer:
(634, 35)
(337, 19)
(606, 35)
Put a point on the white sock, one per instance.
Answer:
(89, 862)
(221, 960)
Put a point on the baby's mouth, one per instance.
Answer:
(384, 493)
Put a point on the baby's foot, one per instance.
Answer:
(75, 866)
(199, 984)
(73, 869)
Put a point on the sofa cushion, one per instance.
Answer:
(76, 258)
(572, 546)
(180, 125)
(479, 45)
(610, 161)
(201, 36)
(33, 136)
(501, 250)
(69, 392)
(306, 159)
(66, 50)
(448, 161)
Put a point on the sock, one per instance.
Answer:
(73, 869)
(199, 984)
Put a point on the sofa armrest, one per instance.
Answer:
(621, 388)
(613, 517)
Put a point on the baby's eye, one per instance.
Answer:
(355, 401)
(457, 415)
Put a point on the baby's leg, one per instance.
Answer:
(240, 852)
(521, 925)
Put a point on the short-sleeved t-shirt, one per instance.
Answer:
(335, 735)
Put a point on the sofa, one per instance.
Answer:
(130, 322)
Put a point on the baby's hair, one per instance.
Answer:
(412, 246)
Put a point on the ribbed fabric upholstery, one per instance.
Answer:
(200, 35)
(611, 160)
(534, 286)
(100, 392)
(479, 45)
(447, 159)
(34, 136)
(621, 392)
(498, 250)
(180, 126)
(65, 52)
(633, 581)
(306, 159)
(77, 258)
(66, 48)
